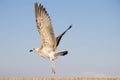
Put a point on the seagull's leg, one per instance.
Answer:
(53, 67)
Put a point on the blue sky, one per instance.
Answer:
(93, 42)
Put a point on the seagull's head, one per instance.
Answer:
(35, 49)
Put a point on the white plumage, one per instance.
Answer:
(48, 39)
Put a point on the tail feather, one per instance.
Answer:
(63, 53)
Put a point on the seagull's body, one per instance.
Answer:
(48, 39)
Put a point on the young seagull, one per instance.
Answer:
(48, 39)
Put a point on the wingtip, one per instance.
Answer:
(70, 26)
(36, 4)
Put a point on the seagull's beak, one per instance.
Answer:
(30, 50)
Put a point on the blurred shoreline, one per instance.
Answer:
(59, 78)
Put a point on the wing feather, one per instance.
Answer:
(44, 27)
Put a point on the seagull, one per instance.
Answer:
(49, 42)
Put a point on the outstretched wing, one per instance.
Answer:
(44, 27)
(60, 36)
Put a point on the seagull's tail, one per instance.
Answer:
(63, 53)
